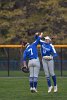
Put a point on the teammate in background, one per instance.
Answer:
(31, 52)
(48, 53)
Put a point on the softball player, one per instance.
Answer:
(31, 52)
(48, 53)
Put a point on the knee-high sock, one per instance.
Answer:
(35, 82)
(54, 79)
(31, 81)
(48, 81)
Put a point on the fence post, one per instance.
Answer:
(61, 60)
(8, 61)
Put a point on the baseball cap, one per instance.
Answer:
(47, 37)
(27, 44)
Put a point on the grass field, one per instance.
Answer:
(17, 88)
(20, 74)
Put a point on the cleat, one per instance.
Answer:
(55, 88)
(34, 89)
(31, 89)
(50, 89)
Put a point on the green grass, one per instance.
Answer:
(14, 88)
(20, 73)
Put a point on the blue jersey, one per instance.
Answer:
(31, 51)
(47, 49)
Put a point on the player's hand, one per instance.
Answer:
(36, 33)
(41, 34)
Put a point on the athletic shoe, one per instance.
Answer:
(50, 89)
(31, 89)
(55, 88)
(34, 89)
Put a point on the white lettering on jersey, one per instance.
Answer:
(31, 51)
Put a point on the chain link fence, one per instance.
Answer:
(10, 62)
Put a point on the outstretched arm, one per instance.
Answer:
(38, 38)
(54, 52)
(36, 35)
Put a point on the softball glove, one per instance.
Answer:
(25, 69)
(48, 57)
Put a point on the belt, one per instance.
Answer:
(33, 58)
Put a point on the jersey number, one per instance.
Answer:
(44, 51)
(31, 51)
